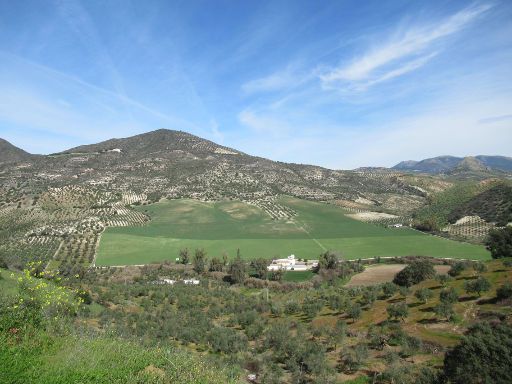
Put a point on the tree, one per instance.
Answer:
(499, 242)
(353, 358)
(370, 295)
(483, 356)
(449, 296)
(338, 333)
(398, 311)
(423, 294)
(237, 270)
(504, 292)
(444, 279)
(389, 289)
(328, 260)
(199, 261)
(414, 273)
(311, 308)
(444, 310)
(276, 275)
(184, 256)
(216, 265)
(457, 268)
(480, 267)
(354, 312)
(479, 285)
(260, 267)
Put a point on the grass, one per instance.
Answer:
(298, 276)
(7, 283)
(223, 227)
(40, 358)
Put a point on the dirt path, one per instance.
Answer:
(302, 228)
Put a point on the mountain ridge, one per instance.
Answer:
(454, 165)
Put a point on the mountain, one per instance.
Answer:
(162, 142)
(454, 165)
(9, 153)
(167, 163)
(470, 164)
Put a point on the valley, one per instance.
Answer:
(221, 228)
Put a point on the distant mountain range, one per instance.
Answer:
(455, 165)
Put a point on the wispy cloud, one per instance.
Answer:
(495, 119)
(264, 124)
(290, 77)
(403, 53)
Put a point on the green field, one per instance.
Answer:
(222, 227)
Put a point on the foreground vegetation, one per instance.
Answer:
(42, 341)
(128, 325)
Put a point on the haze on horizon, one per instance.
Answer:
(341, 84)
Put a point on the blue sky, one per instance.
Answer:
(340, 84)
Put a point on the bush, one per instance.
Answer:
(499, 243)
(483, 356)
(415, 273)
(504, 292)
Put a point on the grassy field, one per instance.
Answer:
(222, 227)
(298, 276)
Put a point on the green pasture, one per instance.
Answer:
(223, 227)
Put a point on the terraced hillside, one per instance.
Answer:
(225, 226)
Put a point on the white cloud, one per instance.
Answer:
(387, 61)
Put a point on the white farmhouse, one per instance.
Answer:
(292, 264)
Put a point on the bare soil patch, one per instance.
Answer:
(382, 273)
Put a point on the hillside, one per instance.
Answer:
(493, 205)
(9, 153)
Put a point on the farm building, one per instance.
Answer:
(292, 264)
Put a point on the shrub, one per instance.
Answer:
(414, 273)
